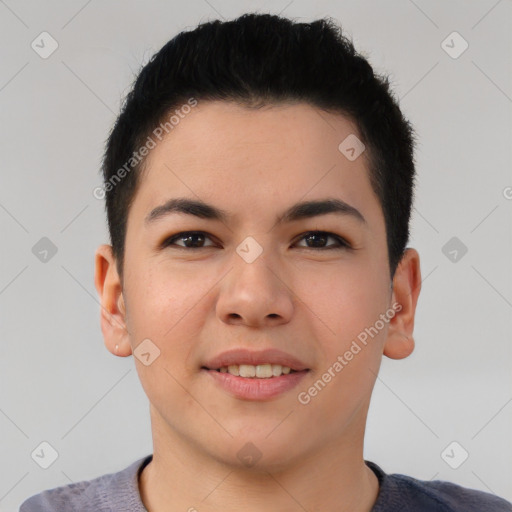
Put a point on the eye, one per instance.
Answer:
(320, 238)
(196, 240)
(191, 240)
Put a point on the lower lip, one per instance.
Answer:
(254, 388)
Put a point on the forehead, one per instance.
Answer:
(255, 161)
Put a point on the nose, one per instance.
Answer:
(255, 294)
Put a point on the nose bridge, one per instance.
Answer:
(254, 292)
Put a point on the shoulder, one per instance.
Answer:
(99, 494)
(401, 492)
(449, 497)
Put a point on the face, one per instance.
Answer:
(257, 283)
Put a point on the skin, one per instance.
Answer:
(196, 303)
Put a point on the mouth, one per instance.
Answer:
(250, 375)
(260, 371)
(260, 364)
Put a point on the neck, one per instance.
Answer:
(182, 477)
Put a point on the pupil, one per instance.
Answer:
(191, 237)
(322, 238)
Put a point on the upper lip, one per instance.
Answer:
(239, 356)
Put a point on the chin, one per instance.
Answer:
(263, 453)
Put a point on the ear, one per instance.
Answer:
(113, 311)
(406, 289)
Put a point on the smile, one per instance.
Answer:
(260, 371)
(252, 387)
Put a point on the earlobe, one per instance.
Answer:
(399, 343)
(113, 311)
(398, 346)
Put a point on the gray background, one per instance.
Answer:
(59, 383)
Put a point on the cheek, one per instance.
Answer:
(171, 306)
(343, 299)
(352, 355)
(162, 296)
(166, 308)
(347, 304)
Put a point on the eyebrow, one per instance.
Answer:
(302, 210)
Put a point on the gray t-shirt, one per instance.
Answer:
(116, 492)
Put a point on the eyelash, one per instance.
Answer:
(343, 244)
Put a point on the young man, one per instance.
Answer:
(259, 184)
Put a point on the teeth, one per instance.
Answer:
(260, 371)
(276, 370)
(264, 371)
(247, 370)
(234, 369)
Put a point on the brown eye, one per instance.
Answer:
(313, 240)
(319, 240)
(190, 239)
